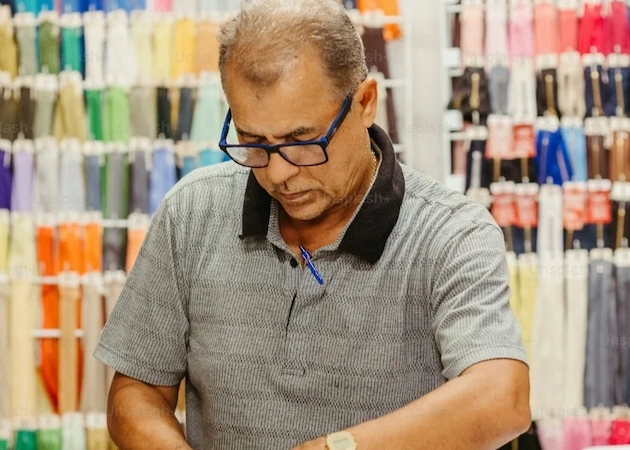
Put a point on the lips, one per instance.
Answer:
(294, 197)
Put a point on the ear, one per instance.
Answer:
(367, 97)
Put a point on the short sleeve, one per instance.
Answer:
(473, 321)
(146, 335)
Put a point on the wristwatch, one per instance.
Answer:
(341, 440)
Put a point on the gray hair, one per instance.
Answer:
(263, 38)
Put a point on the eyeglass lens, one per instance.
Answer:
(299, 155)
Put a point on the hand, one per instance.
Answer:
(317, 444)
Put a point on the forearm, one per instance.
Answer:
(140, 418)
(470, 413)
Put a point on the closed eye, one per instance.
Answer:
(264, 141)
(297, 135)
(305, 140)
(257, 141)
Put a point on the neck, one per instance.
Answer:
(326, 228)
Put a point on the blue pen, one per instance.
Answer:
(306, 256)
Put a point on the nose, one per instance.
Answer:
(279, 170)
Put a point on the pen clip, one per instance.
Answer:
(306, 256)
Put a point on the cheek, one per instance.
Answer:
(339, 175)
(336, 180)
(261, 177)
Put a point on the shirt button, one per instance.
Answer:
(294, 263)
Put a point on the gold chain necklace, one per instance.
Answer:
(375, 162)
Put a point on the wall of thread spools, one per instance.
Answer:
(542, 89)
(104, 106)
(96, 126)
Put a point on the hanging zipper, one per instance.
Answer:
(457, 101)
(600, 235)
(496, 173)
(568, 93)
(497, 160)
(620, 144)
(550, 217)
(543, 158)
(562, 165)
(525, 99)
(496, 141)
(474, 97)
(596, 158)
(501, 84)
(598, 110)
(475, 176)
(509, 239)
(524, 170)
(619, 92)
(621, 222)
(5, 145)
(496, 157)
(551, 109)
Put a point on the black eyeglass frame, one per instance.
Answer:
(323, 142)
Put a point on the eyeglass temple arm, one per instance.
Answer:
(226, 125)
(345, 110)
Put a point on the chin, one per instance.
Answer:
(307, 211)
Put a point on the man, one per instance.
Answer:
(317, 294)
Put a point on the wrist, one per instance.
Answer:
(342, 440)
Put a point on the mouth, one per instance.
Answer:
(294, 197)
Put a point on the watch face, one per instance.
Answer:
(342, 440)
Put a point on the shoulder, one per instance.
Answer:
(209, 187)
(435, 207)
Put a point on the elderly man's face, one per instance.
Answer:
(301, 107)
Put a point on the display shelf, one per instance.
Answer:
(451, 57)
(50, 333)
(403, 82)
(450, 65)
(111, 223)
(452, 121)
(457, 136)
(408, 104)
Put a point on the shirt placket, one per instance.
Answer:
(303, 287)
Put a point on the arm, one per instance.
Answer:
(484, 408)
(485, 403)
(142, 416)
(145, 342)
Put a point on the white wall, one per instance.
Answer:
(429, 100)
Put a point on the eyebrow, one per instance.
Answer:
(300, 131)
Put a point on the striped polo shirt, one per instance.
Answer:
(415, 291)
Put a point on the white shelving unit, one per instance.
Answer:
(402, 86)
(408, 108)
(452, 121)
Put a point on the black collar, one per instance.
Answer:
(368, 233)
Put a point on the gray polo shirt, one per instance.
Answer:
(415, 291)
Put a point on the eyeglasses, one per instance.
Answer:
(303, 153)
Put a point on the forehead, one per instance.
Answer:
(304, 84)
